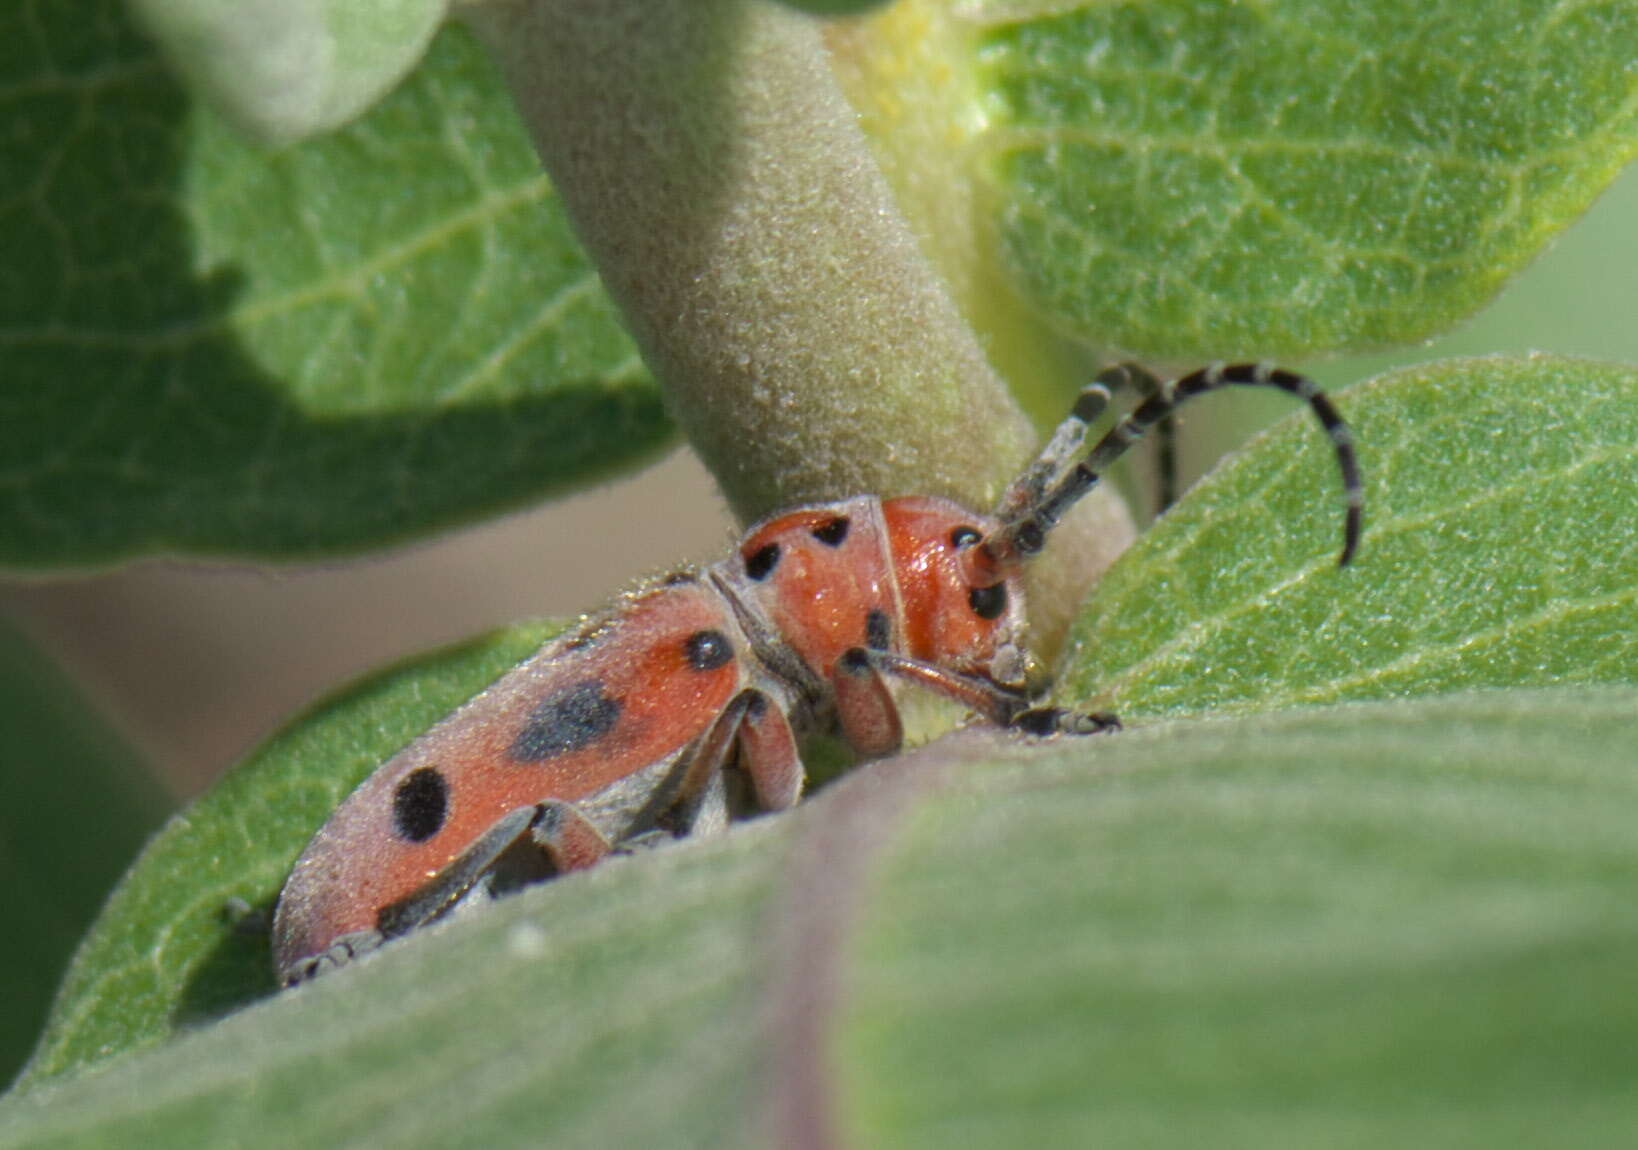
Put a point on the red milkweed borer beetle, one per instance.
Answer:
(621, 729)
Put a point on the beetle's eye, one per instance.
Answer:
(964, 537)
(988, 602)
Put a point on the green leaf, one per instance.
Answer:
(214, 349)
(1389, 924)
(166, 953)
(1377, 924)
(1205, 178)
(1498, 552)
(78, 805)
(1194, 179)
(292, 70)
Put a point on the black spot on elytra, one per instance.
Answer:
(878, 629)
(988, 602)
(707, 650)
(760, 563)
(573, 718)
(420, 804)
(964, 537)
(833, 532)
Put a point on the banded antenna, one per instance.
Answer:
(1050, 485)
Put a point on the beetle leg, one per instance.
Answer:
(768, 752)
(708, 812)
(644, 841)
(699, 803)
(567, 836)
(456, 880)
(439, 895)
(1000, 705)
(865, 708)
(526, 845)
(995, 703)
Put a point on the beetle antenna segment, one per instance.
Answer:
(1145, 383)
(1026, 491)
(1024, 526)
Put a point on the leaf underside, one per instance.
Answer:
(1380, 922)
(1383, 923)
(214, 349)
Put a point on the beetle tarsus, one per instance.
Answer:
(1043, 721)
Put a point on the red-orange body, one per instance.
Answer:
(615, 719)
(684, 705)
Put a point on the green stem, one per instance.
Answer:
(719, 180)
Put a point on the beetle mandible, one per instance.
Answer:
(620, 731)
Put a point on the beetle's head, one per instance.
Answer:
(963, 609)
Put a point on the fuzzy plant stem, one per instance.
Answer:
(720, 182)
